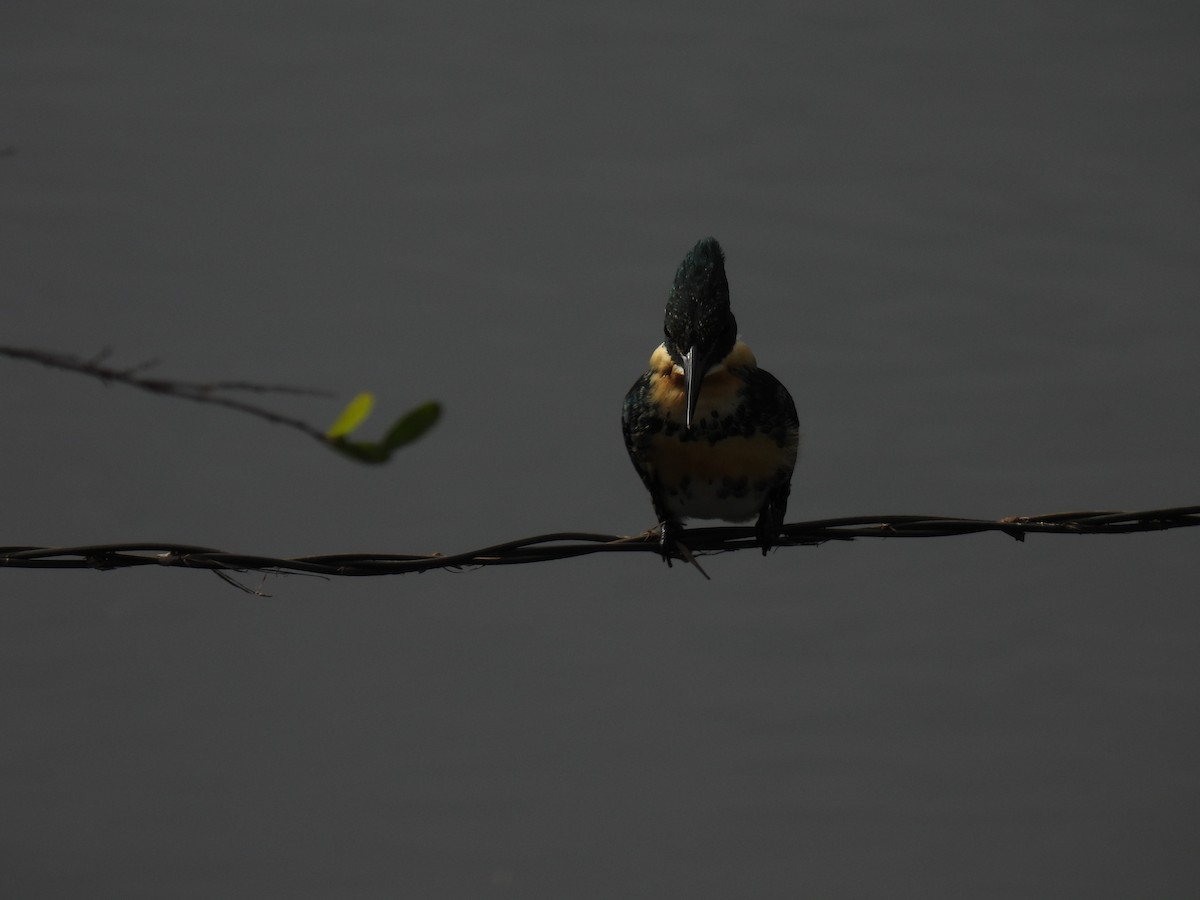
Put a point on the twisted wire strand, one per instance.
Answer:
(570, 544)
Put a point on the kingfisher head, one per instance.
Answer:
(699, 327)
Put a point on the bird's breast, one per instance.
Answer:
(734, 454)
(728, 478)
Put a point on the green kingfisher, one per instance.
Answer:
(711, 434)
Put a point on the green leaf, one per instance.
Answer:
(412, 425)
(406, 429)
(352, 416)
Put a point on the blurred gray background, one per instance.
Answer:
(963, 235)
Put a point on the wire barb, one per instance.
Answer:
(570, 544)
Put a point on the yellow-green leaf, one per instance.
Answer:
(352, 416)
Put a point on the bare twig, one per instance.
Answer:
(406, 429)
(565, 545)
(198, 392)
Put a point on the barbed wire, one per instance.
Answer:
(570, 544)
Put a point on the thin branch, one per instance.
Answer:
(569, 544)
(411, 426)
(198, 392)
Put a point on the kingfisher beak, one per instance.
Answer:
(692, 378)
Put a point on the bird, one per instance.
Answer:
(711, 434)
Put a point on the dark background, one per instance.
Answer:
(963, 235)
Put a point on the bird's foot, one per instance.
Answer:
(767, 530)
(671, 546)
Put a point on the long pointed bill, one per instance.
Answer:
(692, 377)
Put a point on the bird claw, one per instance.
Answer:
(670, 546)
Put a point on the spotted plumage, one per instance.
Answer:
(711, 435)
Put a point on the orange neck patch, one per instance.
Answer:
(718, 392)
